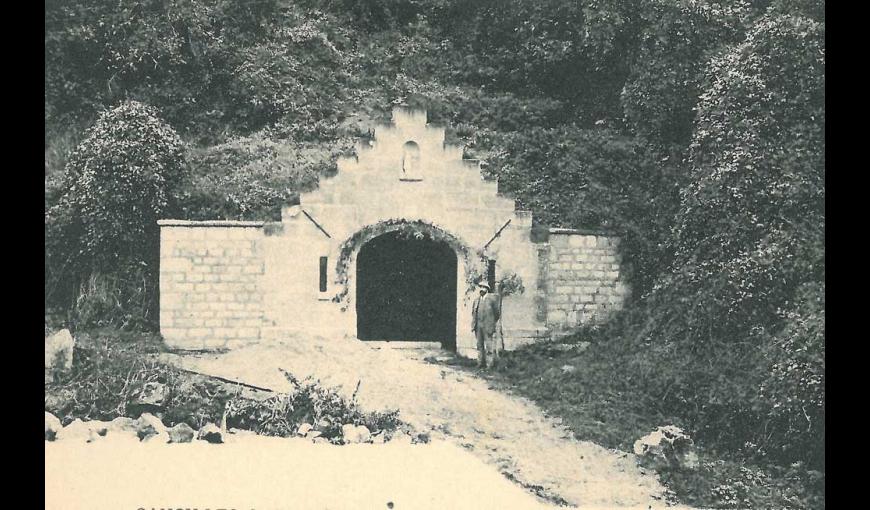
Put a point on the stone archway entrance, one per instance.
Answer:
(406, 289)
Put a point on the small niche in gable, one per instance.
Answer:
(411, 168)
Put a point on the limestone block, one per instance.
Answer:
(171, 301)
(202, 268)
(585, 298)
(173, 332)
(220, 233)
(175, 265)
(184, 287)
(558, 316)
(199, 332)
(225, 332)
(248, 332)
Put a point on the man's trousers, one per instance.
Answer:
(485, 342)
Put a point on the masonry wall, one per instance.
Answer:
(449, 193)
(210, 283)
(226, 283)
(582, 277)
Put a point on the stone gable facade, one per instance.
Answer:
(229, 283)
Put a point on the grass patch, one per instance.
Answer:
(597, 399)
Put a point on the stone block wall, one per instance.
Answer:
(450, 194)
(228, 283)
(582, 277)
(210, 283)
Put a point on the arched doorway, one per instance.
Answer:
(406, 290)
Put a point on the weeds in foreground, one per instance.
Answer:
(110, 369)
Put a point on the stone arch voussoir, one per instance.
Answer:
(471, 258)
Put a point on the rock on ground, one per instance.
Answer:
(125, 425)
(160, 437)
(149, 425)
(181, 433)
(352, 434)
(667, 447)
(150, 397)
(52, 426)
(79, 430)
(211, 433)
(59, 350)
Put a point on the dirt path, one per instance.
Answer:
(505, 431)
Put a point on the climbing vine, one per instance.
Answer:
(471, 258)
(510, 283)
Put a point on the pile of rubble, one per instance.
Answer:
(146, 428)
(149, 428)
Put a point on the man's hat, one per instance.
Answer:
(483, 284)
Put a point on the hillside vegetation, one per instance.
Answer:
(693, 128)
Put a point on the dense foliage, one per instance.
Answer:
(692, 128)
(101, 233)
(746, 290)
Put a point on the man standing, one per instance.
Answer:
(484, 316)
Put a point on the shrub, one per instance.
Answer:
(122, 179)
(118, 182)
(308, 402)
